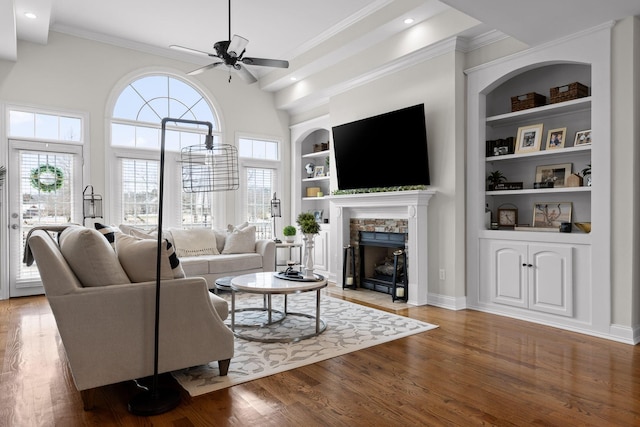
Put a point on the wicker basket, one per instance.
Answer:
(526, 101)
(323, 146)
(568, 92)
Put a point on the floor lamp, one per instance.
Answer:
(156, 400)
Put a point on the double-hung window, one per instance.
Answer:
(260, 167)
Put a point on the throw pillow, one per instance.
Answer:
(232, 227)
(108, 232)
(91, 257)
(240, 241)
(138, 258)
(194, 241)
(221, 236)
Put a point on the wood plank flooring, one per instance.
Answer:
(475, 369)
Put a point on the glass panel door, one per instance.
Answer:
(45, 188)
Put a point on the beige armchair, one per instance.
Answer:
(108, 331)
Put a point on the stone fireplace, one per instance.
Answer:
(379, 207)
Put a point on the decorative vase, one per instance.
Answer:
(289, 239)
(307, 265)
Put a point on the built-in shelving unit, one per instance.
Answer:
(305, 138)
(317, 181)
(559, 279)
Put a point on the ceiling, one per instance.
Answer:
(286, 29)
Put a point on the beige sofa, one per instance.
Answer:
(213, 253)
(212, 267)
(108, 329)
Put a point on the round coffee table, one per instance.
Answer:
(266, 284)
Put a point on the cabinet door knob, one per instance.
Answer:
(529, 265)
(524, 264)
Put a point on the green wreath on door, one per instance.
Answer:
(47, 178)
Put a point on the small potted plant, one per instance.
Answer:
(289, 233)
(308, 224)
(494, 178)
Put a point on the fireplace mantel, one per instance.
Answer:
(410, 205)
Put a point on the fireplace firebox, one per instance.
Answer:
(380, 269)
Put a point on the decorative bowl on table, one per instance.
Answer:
(584, 226)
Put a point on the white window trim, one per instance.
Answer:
(84, 142)
(84, 118)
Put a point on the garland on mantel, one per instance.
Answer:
(380, 189)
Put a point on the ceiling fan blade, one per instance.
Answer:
(245, 74)
(237, 45)
(203, 69)
(279, 63)
(189, 50)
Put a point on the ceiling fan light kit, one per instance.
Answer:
(230, 53)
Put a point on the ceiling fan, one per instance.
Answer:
(230, 53)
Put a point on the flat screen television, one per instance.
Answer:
(388, 150)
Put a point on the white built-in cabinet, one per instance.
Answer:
(321, 250)
(532, 276)
(560, 279)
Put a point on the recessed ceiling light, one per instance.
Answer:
(408, 21)
(30, 15)
(293, 79)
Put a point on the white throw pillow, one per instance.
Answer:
(91, 257)
(138, 258)
(240, 241)
(221, 236)
(194, 241)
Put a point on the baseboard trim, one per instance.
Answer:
(618, 333)
(445, 301)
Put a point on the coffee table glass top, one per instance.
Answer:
(266, 283)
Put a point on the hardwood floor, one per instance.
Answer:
(475, 369)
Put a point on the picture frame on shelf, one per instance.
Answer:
(583, 137)
(556, 138)
(318, 172)
(529, 138)
(551, 214)
(318, 215)
(556, 174)
(500, 147)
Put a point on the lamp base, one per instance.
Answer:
(154, 402)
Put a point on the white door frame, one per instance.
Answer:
(16, 146)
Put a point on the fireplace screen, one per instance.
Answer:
(383, 262)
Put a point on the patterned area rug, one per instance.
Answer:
(350, 327)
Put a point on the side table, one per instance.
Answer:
(290, 246)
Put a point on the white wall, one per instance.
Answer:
(75, 74)
(625, 140)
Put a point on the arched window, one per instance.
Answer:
(135, 143)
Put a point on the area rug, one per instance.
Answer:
(350, 327)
